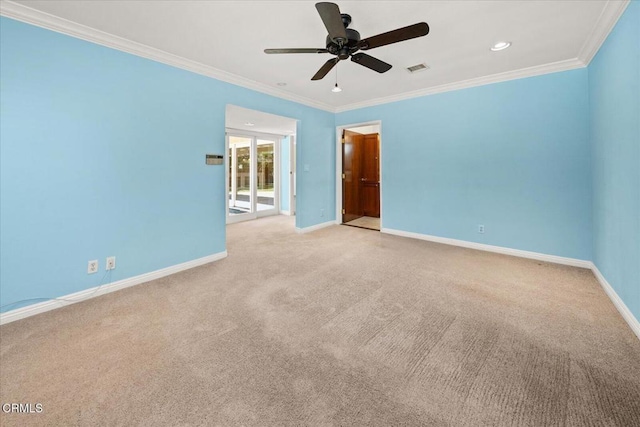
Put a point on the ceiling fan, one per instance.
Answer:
(344, 42)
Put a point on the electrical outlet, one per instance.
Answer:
(481, 229)
(111, 263)
(92, 267)
(321, 212)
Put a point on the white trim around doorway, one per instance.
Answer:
(339, 130)
(290, 175)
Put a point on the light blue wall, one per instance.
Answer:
(102, 153)
(513, 156)
(614, 90)
(284, 172)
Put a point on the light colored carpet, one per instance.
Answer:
(339, 327)
(366, 222)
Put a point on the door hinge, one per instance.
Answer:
(343, 212)
(343, 176)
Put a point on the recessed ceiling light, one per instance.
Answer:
(500, 46)
(249, 124)
(281, 84)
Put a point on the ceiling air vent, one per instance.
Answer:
(416, 68)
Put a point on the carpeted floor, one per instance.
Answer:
(339, 327)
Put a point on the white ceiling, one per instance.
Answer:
(226, 39)
(238, 117)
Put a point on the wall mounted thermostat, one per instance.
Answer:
(214, 159)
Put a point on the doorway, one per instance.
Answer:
(253, 181)
(359, 167)
(257, 160)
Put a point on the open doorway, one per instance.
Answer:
(258, 164)
(358, 161)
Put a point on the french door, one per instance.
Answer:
(252, 175)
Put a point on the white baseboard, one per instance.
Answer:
(490, 248)
(617, 301)
(285, 213)
(32, 310)
(315, 227)
(634, 324)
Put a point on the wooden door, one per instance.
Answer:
(371, 175)
(352, 144)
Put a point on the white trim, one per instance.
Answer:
(339, 130)
(537, 70)
(611, 12)
(609, 16)
(490, 248)
(626, 314)
(60, 25)
(32, 310)
(315, 227)
(250, 133)
(617, 301)
(285, 213)
(292, 173)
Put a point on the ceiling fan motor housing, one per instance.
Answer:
(351, 46)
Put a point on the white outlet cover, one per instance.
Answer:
(111, 263)
(92, 267)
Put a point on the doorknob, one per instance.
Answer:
(363, 179)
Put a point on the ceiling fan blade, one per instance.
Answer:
(395, 36)
(330, 15)
(370, 62)
(325, 68)
(296, 50)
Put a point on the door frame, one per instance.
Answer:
(292, 174)
(339, 130)
(249, 215)
(230, 219)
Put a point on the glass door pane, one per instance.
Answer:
(240, 191)
(265, 174)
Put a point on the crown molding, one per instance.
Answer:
(537, 70)
(51, 22)
(609, 16)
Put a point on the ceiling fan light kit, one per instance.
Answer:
(344, 42)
